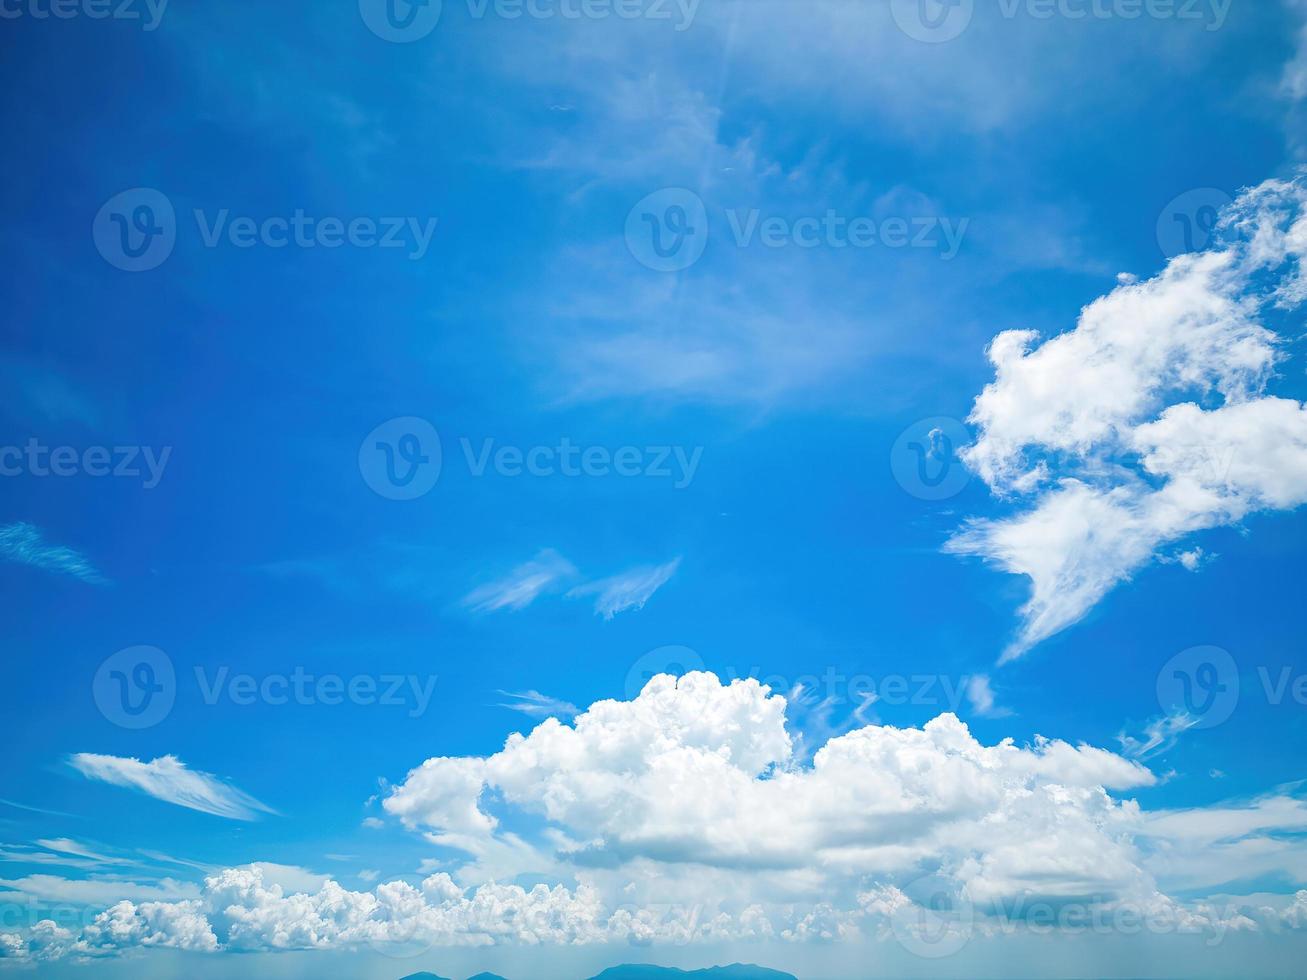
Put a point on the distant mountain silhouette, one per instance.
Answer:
(736, 971)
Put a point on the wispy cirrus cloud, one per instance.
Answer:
(549, 572)
(24, 544)
(537, 705)
(168, 779)
(521, 587)
(1159, 735)
(627, 590)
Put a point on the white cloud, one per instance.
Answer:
(1147, 422)
(97, 890)
(1160, 735)
(168, 779)
(548, 572)
(538, 705)
(981, 695)
(684, 815)
(628, 590)
(523, 585)
(24, 544)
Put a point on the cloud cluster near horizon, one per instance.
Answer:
(1146, 423)
(684, 815)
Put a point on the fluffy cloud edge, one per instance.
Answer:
(1147, 422)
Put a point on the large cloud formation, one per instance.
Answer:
(686, 815)
(1147, 422)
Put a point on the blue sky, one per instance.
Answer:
(762, 402)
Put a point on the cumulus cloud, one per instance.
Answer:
(628, 590)
(25, 544)
(1146, 423)
(167, 778)
(684, 815)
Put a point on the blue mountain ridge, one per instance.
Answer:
(736, 971)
